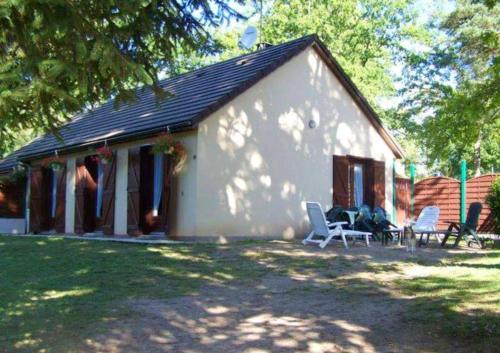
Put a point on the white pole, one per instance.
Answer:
(27, 200)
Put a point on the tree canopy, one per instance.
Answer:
(58, 57)
(451, 90)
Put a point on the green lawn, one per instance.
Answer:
(53, 289)
(55, 292)
(460, 295)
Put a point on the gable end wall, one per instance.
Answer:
(259, 161)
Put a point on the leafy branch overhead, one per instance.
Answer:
(452, 90)
(58, 57)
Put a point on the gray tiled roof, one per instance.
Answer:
(194, 96)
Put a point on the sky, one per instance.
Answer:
(425, 9)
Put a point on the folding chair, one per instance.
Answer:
(426, 223)
(327, 231)
(467, 229)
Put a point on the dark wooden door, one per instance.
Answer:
(341, 192)
(133, 188)
(79, 195)
(61, 201)
(166, 194)
(108, 197)
(36, 199)
(378, 183)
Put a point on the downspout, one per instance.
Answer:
(27, 200)
(412, 190)
(394, 191)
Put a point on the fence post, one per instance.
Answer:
(463, 195)
(412, 189)
(394, 191)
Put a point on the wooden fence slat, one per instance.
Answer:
(445, 193)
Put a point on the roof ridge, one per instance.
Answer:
(239, 57)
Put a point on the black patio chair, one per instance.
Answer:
(467, 230)
(364, 222)
(336, 214)
(386, 227)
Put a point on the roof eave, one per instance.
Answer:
(123, 138)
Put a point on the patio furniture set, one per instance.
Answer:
(364, 224)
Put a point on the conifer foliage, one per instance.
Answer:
(58, 57)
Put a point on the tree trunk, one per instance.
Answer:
(477, 154)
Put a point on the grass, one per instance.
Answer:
(53, 288)
(56, 292)
(460, 296)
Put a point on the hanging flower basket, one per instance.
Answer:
(104, 154)
(5, 180)
(55, 163)
(17, 175)
(18, 172)
(174, 149)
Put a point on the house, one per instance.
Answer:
(264, 132)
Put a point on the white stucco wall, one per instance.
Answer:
(258, 161)
(69, 225)
(183, 206)
(12, 226)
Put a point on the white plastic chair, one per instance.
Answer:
(427, 222)
(326, 230)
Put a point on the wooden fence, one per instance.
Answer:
(403, 192)
(477, 189)
(445, 193)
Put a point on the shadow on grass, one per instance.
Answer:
(56, 293)
(55, 287)
(462, 309)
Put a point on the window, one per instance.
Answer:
(358, 181)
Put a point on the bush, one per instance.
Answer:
(493, 200)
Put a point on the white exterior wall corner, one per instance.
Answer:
(69, 211)
(259, 162)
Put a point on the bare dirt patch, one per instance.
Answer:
(302, 300)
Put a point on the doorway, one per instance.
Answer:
(91, 218)
(151, 191)
(47, 199)
(89, 195)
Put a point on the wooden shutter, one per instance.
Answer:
(81, 173)
(167, 191)
(369, 183)
(133, 188)
(341, 181)
(108, 197)
(36, 199)
(379, 183)
(61, 201)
